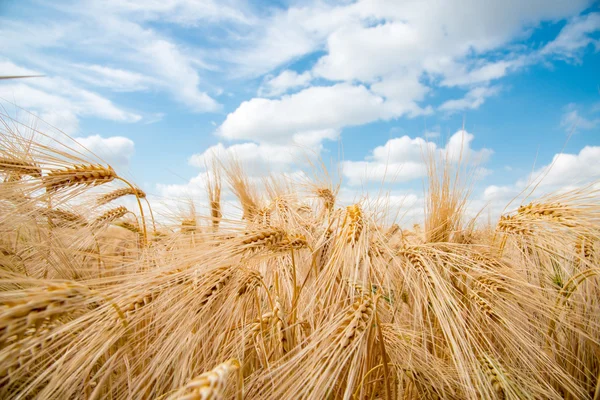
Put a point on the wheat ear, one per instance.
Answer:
(356, 223)
(20, 167)
(38, 307)
(210, 385)
(328, 198)
(115, 194)
(65, 218)
(356, 322)
(87, 175)
(112, 215)
(266, 237)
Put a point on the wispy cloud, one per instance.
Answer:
(57, 97)
(572, 120)
(473, 99)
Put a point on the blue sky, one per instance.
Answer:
(155, 86)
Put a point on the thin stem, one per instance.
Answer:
(151, 214)
(137, 197)
(386, 373)
(295, 295)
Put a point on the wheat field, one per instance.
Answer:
(298, 298)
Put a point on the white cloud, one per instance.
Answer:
(397, 51)
(315, 108)
(183, 12)
(359, 172)
(404, 159)
(115, 150)
(286, 80)
(473, 99)
(313, 139)
(565, 172)
(356, 52)
(391, 46)
(484, 73)
(568, 169)
(494, 192)
(403, 88)
(177, 70)
(572, 120)
(459, 148)
(195, 188)
(62, 119)
(117, 79)
(58, 99)
(116, 33)
(284, 36)
(262, 158)
(257, 159)
(425, 34)
(428, 36)
(574, 37)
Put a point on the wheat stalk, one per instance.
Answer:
(296, 242)
(210, 385)
(495, 374)
(264, 238)
(263, 216)
(213, 186)
(87, 175)
(356, 322)
(64, 217)
(223, 275)
(112, 215)
(328, 198)
(250, 281)
(415, 256)
(130, 226)
(108, 197)
(37, 307)
(356, 223)
(188, 225)
(19, 167)
(283, 209)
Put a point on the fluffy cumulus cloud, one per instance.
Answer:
(257, 159)
(115, 150)
(404, 159)
(568, 169)
(375, 40)
(381, 60)
(263, 158)
(195, 189)
(315, 108)
(565, 172)
(398, 52)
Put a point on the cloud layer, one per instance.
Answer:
(404, 159)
